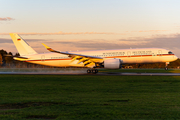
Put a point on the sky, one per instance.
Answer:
(74, 25)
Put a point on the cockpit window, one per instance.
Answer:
(170, 52)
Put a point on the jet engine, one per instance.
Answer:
(112, 63)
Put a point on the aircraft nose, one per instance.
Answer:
(175, 57)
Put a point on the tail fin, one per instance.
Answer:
(21, 45)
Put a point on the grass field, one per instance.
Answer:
(89, 97)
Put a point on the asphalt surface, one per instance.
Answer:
(100, 73)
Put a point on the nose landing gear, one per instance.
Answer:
(92, 71)
(166, 65)
(166, 68)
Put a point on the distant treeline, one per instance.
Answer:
(7, 61)
(174, 64)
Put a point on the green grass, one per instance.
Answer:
(89, 97)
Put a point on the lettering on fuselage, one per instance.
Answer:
(58, 57)
(115, 53)
(132, 53)
(142, 53)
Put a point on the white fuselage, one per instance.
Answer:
(143, 55)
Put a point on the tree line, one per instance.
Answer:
(7, 61)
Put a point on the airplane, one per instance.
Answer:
(108, 59)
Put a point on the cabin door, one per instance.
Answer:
(129, 54)
(42, 58)
(160, 53)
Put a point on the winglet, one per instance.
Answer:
(48, 48)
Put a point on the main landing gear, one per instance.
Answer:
(92, 71)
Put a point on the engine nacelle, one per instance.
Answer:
(112, 63)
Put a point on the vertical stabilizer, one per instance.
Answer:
(21, 45)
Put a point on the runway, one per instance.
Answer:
(101, 73)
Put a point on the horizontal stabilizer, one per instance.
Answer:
(20, 58)
(16, 56)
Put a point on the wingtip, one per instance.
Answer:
(48, 48)
(45, 45)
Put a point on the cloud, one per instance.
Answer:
(4, 40)
(170, 42)
(143, 31)
(99, 44)
(152, 30)
(88, 33)
(160, 41)
(6, 19)
(62, 33)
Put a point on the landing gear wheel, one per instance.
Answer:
(92, 71)
(96, 71)
(88, 71)
(166, 68)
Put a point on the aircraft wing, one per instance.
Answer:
(88, 61)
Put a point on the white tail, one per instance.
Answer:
(21, 45)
